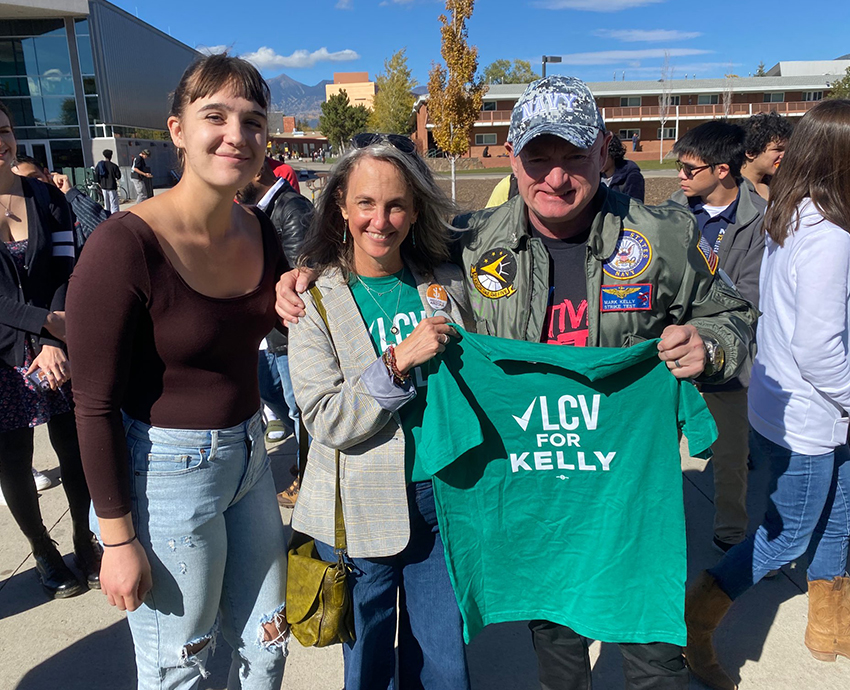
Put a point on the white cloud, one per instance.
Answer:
(345, 4)
(646, 35)
(616, 57)
(594, 5)
(265, 58)
(211, 50)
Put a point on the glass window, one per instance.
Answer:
(60, 111)
(84, 51)
(488, 106)
(64, 132)
(629, 101)
(774, 97)
(709, 99)
(67, 154)
(812, 95)
(12, 60)
(15, 86)
(485, 139)
(627, 133)
(55, 85)
(26, 112)
(81, 27)
(89, 86)
(669, 132)
(52, 55)
(31, 27)
(93, 109)
(30, 133)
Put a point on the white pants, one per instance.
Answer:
(110, 200)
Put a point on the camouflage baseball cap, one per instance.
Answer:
(557, 105)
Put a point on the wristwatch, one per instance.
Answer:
(715, 357)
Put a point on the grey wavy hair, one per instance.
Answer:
(324, 246)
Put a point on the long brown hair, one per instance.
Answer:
(816, 165)
(325, 245)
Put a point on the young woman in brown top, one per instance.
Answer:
(166, 310)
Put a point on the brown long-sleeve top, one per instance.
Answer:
(141, 340)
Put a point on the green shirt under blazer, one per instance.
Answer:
(339, 413)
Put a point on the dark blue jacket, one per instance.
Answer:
(628, 179)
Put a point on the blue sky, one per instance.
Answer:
(310, 39)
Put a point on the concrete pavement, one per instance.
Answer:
(83, 644)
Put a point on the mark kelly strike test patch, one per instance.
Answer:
(626, 297)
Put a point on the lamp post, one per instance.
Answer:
(549, 58)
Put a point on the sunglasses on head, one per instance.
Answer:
(403, 144)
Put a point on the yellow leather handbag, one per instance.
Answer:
(318, 600)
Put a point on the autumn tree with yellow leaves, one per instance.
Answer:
(455, 92)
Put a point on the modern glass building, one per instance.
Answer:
(80, 76)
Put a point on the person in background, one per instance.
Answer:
(767, 135)
(286, 171)
(291, 214)
(87, 214)
(620, 174)
(168, 404)
(108, 175)
(142, 176)
(635, 140)
(799, 400)
(379, 242)
(730, 216)
(37, 254)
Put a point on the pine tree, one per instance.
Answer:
(393, 104)
(455, 93)
(340, 120)
(760, 71)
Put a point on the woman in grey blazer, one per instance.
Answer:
(380, 244)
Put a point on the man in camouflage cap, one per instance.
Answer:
(566, 246)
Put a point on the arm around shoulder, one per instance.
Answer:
(338, 411)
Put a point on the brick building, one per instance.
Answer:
(629, 106)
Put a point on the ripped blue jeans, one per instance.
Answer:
(205, 511)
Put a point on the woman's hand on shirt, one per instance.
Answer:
(289, 305)
(55, 324)
(428, 339)
(54, 366)
(125, 575)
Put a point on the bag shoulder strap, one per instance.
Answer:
(340, 543)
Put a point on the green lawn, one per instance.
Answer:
(655, 165)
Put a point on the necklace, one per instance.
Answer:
(394, 328)
(8, 208)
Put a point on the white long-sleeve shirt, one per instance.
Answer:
(799, 395)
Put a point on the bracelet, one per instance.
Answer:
(389, 360)
(123, 543)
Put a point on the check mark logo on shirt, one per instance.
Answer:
(523, 421)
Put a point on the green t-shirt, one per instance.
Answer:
(389, 304)
(559, 486)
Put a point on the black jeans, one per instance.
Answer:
(16, 480)
(564, 662)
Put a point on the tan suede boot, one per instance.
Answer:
(828, 630)
(705, 606)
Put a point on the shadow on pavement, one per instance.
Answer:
(22, 592)
(101, 661)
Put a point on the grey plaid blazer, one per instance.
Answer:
(339, 412)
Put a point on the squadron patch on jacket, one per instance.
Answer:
(494, 273)
(708, 254)
(630, 258)
(636, 297)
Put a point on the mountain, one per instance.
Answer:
(295, 98)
